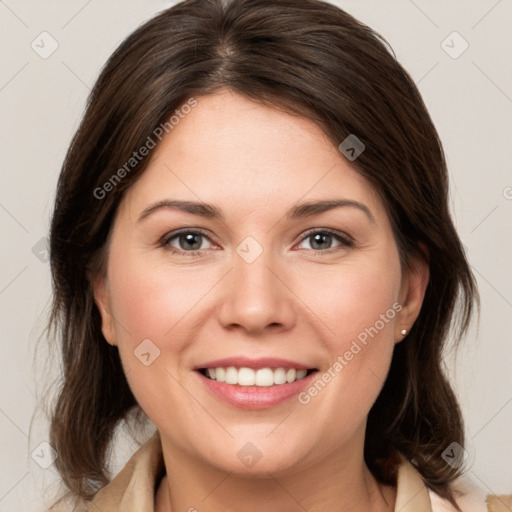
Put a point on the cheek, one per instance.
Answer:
(154, 321)
(357, 308)
(152, 301)
(353, 297)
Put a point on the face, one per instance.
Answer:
(261, 284)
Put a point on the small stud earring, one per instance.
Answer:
(403, 332)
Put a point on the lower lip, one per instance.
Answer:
(255, 397)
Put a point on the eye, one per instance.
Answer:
(186, 241)
(322, 240)
(194, 242)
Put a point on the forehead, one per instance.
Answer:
(229, 149)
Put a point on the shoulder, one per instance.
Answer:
(69, 503)
(136, 463)
(469, 497)
(413, 494)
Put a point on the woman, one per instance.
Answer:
(252, 246)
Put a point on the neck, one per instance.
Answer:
(337, 483)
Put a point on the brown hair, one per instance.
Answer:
(309, 58)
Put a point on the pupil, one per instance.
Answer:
(320, 239)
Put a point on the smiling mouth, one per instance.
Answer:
(263, 377)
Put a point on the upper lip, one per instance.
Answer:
(255, 364)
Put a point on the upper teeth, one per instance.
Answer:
(249, 377)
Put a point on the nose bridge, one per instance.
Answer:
(255, 297)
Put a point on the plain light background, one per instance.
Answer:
(468, 94)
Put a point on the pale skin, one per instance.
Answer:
(298, 300)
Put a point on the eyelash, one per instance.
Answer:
(343, 238)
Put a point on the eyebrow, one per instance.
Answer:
(302, 210)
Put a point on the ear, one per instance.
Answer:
(101, 297)
(412, 293)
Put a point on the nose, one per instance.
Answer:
(256, 297)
